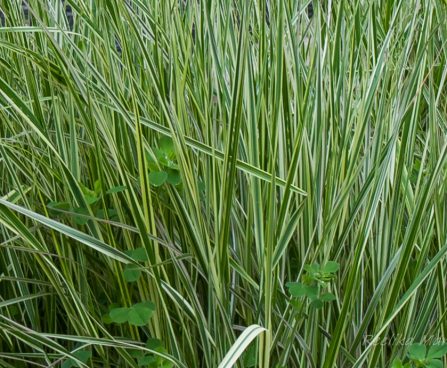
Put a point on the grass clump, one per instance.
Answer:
(223, 183)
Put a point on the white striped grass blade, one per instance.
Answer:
(242, 342)
(70, 232)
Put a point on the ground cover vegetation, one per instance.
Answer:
(223, 183)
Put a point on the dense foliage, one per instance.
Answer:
(209, 183)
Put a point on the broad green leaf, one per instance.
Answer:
(312, 268)
(106, 319)
(83, 217)
(437, 351)
(91, 199)
(90, 196)
(153, 344)
(330, 267)
(139, 314)
(166, 144)
(327, 297)
(138, 254)
(157, 178)
(312, 292)
(147, 360)
(397, 363)
(112, 214)
(435, 363)
(417, 351)
(317, 304)
(119, 315)
(160, 155)
(81, 355)
(298, 289)
(174, 177)
(131, 273)
(165, 161)
(152, 161)
(171, 165)
(137, 353)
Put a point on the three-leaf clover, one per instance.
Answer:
(419, 355)
(163, 166)
(315, 281)
(132, 272)
(136, 315)
(151, 360)
(92, 199)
